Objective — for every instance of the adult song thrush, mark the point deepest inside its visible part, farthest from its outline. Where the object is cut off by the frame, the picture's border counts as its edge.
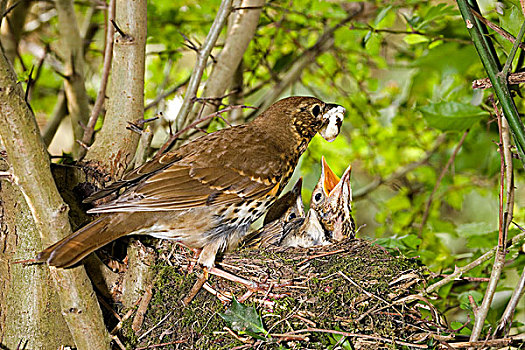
(207, 193)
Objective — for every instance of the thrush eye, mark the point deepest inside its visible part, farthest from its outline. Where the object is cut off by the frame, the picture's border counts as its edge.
(291, 216)
(317, 197)
(316, 110)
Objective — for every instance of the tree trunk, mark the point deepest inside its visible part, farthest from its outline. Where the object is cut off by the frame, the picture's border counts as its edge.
(31, 173)
(30, 307)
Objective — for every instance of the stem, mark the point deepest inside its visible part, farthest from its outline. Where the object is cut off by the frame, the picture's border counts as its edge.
(438, 182)
(512, 53)
(202, 58)
(101, 96)
(513, 243)
(489, 59)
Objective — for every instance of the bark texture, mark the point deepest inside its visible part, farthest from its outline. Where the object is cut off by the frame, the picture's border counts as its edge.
(115, 145)
(30, 310)
(32, 175)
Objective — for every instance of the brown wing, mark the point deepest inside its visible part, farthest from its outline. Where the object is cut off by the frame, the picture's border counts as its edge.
(182, 187)
(212, 170)
(154, 165)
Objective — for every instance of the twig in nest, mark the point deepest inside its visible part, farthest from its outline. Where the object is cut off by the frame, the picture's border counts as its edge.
(124, 318)
(155, 326)
(221, 296)
(320, 256)
(363, 336)
(119, 343)
(141, 310)
(160, 345)
(194, 290)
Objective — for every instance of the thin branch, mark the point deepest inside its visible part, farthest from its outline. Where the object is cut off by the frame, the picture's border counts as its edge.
(101, 96)
(512, 54)
(513, 79)
(324, 43)
(167, 93)
(174, 137)
(202, 58)
(401, 172)
(506, 319)
(492, 65)
(499, 260)
(241, 30)
(498, 29)
(72, 47)
(458, 271)
(58, 114)
(438, 182)
(494, 343)
(362, 336)
(407, 32)
(144, 145)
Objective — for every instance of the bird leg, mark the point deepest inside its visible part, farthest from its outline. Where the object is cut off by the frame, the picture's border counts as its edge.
(251, 285)
(191, 262)
(191, 265)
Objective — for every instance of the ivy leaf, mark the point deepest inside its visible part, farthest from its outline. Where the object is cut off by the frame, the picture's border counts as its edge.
(244, 319)
(452, 115)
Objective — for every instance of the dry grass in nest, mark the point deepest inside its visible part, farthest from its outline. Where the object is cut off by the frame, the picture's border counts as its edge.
(351, 292)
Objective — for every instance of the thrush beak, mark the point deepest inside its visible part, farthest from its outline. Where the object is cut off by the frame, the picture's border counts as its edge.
(298, 207)
(314, 229)
(330, 179)
(342, 189)
(333, 119)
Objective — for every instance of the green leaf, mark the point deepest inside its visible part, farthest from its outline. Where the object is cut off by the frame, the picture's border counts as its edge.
(403, 243)
(413, 39)
(244, 319)
(452, 115)
(464, 300)
(474, 229)
(382, 14)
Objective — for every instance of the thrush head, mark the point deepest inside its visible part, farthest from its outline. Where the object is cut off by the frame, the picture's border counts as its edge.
(331, 199)
(288, 207)
(304, 232)
(286, 224)
(207, 193)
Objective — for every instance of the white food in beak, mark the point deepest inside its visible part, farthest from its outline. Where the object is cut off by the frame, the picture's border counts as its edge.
(334, 119)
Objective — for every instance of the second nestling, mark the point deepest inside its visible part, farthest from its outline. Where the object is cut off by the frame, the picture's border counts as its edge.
(329, 218)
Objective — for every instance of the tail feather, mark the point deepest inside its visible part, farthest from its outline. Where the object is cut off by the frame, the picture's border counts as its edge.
(82, 242)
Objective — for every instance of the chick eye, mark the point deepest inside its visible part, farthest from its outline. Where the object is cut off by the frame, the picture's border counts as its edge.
(291, 216)
(317, 197)
(316, 110)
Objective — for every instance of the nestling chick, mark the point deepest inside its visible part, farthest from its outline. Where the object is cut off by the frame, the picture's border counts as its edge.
(332, 201)
(329, 217)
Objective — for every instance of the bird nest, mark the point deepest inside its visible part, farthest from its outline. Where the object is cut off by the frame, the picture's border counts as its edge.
(353, 293)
